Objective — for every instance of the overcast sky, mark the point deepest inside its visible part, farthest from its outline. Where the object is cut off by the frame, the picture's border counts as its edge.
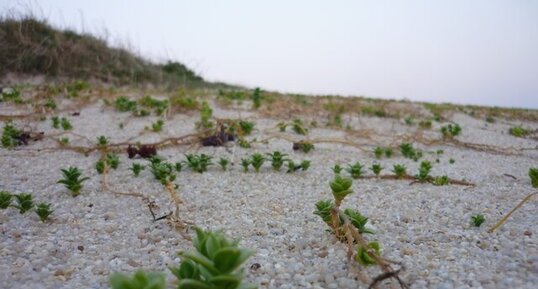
(472, 52)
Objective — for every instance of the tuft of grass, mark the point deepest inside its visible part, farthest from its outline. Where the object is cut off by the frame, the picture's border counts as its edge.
(136, 168)
(303, 146)
(102, 141)
(277, 159)
(477, 220)
(256, 98)
(223, 162)
(162, 171)
(424, 171)
(205, 117)
(72, 180)
(450, 130)
(43, 210)
(305, 164)
(10, 136)
(440, 181)
(337, 169)
(124, 104)
(298, 127)
(66, 124)
(376, 169)
(157, 126)
(408, 151)
(245, 163)
(257, 161)
(198, 163)
(378, 152)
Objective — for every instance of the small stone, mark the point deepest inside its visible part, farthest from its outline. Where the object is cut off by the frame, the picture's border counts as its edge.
(80, 248)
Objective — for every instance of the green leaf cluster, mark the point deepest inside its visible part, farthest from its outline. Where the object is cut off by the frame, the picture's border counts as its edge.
(72, 180)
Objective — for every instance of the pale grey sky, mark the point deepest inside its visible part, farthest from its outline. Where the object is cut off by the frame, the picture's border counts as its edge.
(462, 51)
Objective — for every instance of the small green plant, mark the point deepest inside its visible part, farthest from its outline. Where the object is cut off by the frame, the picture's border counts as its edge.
(303, 146)
(518, 131)
(163, 171)
(378, 152)
(257, 161)
(450, 130)
(110, 161)
(305, 164)
(425, 124)
(451, 160)
(140, 280)
(363, 253)
(441, 181)
(277, 159)
(223, 162)
(157, 126)
(388, 152)
(215, 263)
(337, 169)
(113, 160)
(400, 171)
(298, 127)
(43, 211)
(124, 104)
(178, 166)
(533, 174)
(282, 126)
(256, 98)
(66, 124)
(64, 141)
(136, 168)
(205, 115)
(5, 199)
(245, 163)
(376, 169)
(477, 220)
(246, 127)
(72, 180)
(10, 136)
(198, 163)
(355, 170)
(102, 141)
(24, 202)
(409, 121)
(408, 151)
(292, 167)
(341, 187)
(424, 171)
(55, 122)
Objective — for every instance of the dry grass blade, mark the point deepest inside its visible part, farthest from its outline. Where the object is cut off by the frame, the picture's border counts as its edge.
(503, 219)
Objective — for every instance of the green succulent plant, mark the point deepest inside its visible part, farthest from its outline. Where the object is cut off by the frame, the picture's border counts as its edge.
(298, 127)
(408, 151)
(5, 199)
(245, 163)
(363, 253)
(277, 159)
(441, 181)
(305, 164)
(66, 124)
(10, 136)
(400, 171)
(424, 171)
(376, 169)
(257, 161)
(24, 202)
(358, 221)
(518, 131)
(378, 152)
(215, 263)
(477, 220)
(139, 280)
(163, 172)
(337, 169)
(341, 187)
(223, 162)
(43, 211)
(450, 130)
(355, 170)
(136, 168)
(157, 126)
(102, 141)
(72, 180)
(198, 163)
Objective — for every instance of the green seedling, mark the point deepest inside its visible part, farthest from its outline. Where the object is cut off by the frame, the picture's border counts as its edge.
(388, 153)
(113, 160)
(303, 146)
(378, 152)
(325, 207)
(441, 181)
(400, 171)
(205, 115)
(124, 104)
(282, 126)
(355, 170)
(451, 130)
(256, 98)
(110, 161)
(376, 169)
(245, 163)
(100, 166)
(363, 255)
(424, 171)
(440, 152)
(64, 141)
(341, 187)
(246, 127)
(163, 172)
(55, 122)
(257, 161)
(305, 164)
(337, 169)
(66, 125)
(292, 167)
(425, 124)
(43, 211)
(178, 166)
(215, 263)
(223, 162)
(409, 121)
(72, 180)
(277, 159)
(140, 280)
(198, 163)
(244, 143)
(24, 202)
(477, 220)
(102, 141)
(533, 174)
(518, 131)
(451, 160)
(158, 106)
(10, 136)
(157, 126)
(298, 127)
(5, 199)
(136, 168)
